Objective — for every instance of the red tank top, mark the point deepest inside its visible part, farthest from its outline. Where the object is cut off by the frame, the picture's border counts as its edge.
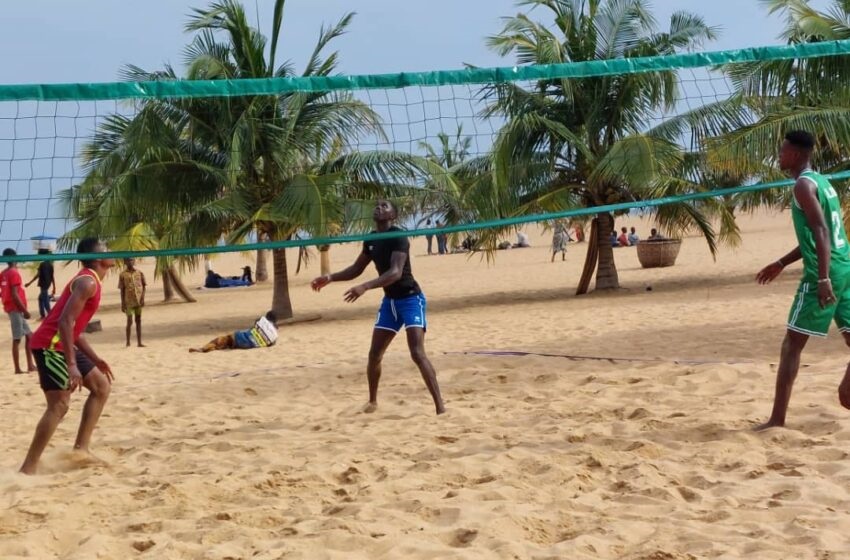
(47, 334)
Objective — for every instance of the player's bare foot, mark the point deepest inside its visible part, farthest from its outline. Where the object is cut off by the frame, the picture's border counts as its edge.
(370, 407)
(27, 470)
(19, 371)
(140, 345)
(769, 424)
(441, 409)
(85, 458)
(128, 345)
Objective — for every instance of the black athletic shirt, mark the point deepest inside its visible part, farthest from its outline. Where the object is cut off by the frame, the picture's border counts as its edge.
(380, 251)
(45, 274)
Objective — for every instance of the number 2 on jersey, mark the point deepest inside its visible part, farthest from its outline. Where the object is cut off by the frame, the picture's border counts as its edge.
(837, 241)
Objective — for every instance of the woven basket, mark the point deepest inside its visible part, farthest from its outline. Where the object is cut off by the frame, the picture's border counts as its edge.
(654, 254)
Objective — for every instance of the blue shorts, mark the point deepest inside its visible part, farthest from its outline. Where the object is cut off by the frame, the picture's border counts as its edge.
(403, 312)
(243, 340)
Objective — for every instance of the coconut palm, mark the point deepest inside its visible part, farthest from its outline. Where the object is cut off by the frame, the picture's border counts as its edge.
(811, 94)
(272, 165)
(142, 180)
(591, 132)
(454, 180)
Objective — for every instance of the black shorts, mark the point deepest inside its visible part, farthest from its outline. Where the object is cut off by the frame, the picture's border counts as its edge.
(53, 371)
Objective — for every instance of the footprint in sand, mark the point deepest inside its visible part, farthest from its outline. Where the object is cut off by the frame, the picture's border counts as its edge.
(463, 537)
(440, 516)
(350, 476)
(145, 527)
(142, 546)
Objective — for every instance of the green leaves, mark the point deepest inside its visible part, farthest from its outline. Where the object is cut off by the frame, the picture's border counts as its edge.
(636, 163)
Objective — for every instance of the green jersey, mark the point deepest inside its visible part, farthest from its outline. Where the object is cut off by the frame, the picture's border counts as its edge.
(839, 247)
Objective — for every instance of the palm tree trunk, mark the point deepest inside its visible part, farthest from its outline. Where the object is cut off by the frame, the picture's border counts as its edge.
(325, 259)
(171, 279)
(261, 271)
(590, 260)
(281, 304)
(606, 272)
(167, 289)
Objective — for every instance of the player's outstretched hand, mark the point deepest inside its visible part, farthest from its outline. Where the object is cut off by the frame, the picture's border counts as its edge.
(353, 293)
(318, 283)
(769, 273)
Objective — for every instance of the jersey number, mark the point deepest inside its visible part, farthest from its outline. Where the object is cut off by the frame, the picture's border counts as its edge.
(837, 241)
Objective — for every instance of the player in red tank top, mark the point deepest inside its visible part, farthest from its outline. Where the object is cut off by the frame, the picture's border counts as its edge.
(65, 360)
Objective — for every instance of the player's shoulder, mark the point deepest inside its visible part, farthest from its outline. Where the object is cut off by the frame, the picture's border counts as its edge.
(84, 282)
(398, 228)
(805, 184)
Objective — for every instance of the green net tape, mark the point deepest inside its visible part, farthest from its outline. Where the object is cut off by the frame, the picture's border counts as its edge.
(271, 86)
(359, 238)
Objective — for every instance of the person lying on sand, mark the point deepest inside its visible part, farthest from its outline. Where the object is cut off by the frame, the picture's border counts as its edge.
(261, 335)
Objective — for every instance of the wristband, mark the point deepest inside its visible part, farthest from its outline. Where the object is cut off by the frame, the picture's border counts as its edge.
(780, 263)
(824, 281)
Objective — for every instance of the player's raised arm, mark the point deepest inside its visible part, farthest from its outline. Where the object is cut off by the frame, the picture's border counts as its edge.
(350, 273)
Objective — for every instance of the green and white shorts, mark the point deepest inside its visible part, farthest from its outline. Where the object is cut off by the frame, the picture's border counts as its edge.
(807, 316)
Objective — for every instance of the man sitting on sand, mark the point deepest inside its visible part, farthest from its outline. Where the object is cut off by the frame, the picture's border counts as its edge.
(623, 240)
(634, 238)
(261, 335)
(654, 235)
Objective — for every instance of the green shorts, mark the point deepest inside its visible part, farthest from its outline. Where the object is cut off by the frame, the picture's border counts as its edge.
(131, 311)
(807, 316)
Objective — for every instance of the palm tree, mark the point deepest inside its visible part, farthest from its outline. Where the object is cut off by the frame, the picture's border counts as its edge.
(272, 165)
(811, 94)
(584, 142)
(454, 180)
(142, 179)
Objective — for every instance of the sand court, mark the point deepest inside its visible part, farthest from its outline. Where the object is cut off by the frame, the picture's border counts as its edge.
(265, 453)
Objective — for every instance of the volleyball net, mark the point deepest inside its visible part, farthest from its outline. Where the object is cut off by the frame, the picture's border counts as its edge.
(162, 166)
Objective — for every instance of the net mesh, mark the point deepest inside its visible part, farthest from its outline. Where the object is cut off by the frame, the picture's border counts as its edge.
(180, 167)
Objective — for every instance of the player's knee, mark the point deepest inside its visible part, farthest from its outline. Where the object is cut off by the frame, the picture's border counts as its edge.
(100, 386)
(58, 408)
(375, 355)
(794, 343)
(418, 355)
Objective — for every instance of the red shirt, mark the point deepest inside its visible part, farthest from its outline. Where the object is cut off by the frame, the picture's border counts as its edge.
(47, 334)
(10, 279)
(623, 240)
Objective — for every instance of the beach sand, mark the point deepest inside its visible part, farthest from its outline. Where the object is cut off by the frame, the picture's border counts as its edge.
(264, 454)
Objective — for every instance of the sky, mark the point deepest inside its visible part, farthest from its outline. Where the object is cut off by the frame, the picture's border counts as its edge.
(50, 41)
